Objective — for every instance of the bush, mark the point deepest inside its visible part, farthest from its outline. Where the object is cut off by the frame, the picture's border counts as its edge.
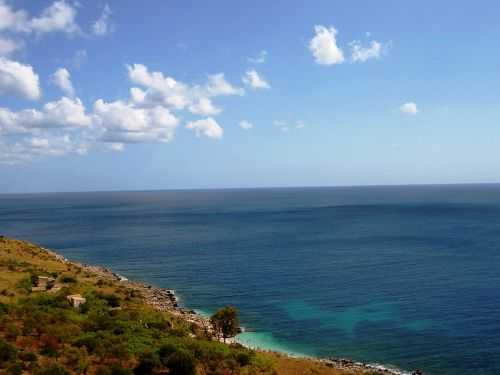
(25, 284)
(118, 370)
(111, 299)
(15, 368)
(165, 351)
(27, 356)
(68, 279)
(182, 362)
(4, 309)
(244, 358)
(53, 369)
(147, 363)
(7, 352)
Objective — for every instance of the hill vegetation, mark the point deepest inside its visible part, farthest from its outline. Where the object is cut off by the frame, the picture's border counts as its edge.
(114, 331)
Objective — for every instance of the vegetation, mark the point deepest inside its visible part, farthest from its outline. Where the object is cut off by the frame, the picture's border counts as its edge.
(225, 322)
(114, 332)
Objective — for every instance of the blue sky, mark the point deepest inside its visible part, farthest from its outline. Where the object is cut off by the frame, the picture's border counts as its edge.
(181, 94)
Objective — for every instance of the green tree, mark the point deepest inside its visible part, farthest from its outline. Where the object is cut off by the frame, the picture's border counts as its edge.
(226, 322)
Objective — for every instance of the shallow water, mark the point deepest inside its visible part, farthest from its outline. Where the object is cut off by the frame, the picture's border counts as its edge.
(406, 276)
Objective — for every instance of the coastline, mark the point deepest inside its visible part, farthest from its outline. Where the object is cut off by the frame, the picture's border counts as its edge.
(166, 300)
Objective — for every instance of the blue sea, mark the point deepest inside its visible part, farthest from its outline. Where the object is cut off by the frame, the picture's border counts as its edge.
(407, 276)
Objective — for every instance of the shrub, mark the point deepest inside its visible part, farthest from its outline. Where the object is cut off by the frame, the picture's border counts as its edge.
(53, 369)
(182, 362)
(7, 352)
(147, 363)
(25, 284)
(4, 309)
(15, 368)
(27, 356)
(68, 279)
(244, 358)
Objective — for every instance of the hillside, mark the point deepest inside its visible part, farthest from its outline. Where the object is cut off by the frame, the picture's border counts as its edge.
(116, 327)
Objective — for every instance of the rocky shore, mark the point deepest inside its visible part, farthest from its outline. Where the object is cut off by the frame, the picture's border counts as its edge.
(166, 300)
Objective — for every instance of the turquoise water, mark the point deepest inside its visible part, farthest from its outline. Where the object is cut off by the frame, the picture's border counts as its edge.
(406, 276)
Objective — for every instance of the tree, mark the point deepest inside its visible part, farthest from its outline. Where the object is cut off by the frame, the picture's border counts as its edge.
(225, 322)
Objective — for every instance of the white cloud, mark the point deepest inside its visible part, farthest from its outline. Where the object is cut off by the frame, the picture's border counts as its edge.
(43, 145)
(217, 86)
(409, 108)
(166, 91)
(324, 46)
(259, 59)
(12, 20)
(207, 127)
(300, 125)
(246, 125)
(9, 46)
(122, 122)
(254, 80)
(63, 113)
(62, 79)
(60, 16)
(18, 79)
(362, 54)
(204, 107)
(161, 89)
(102, 26)
(115, 146)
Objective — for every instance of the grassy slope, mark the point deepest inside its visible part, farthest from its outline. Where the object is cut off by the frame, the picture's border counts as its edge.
(19, 260)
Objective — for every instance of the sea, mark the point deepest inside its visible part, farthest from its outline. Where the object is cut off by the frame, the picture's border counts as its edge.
(405, 276)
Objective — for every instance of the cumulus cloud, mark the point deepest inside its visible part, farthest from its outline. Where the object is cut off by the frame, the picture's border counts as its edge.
(159, 89)
(204, 107)
(259, 59)
(122, 122)
(409, 108)
(246, 125)
(12, 20)
(217, 86)
(18, 79)
(207, 127)
(65, 126)
(60, 16)
(300, 125)
(9, 46)
(255, 81)
(62, 79)
(36, 147)
(63, 113)
(360, 53)
(324, 46)
(103, 26)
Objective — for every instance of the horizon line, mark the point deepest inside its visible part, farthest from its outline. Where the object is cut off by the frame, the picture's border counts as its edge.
(255, 188)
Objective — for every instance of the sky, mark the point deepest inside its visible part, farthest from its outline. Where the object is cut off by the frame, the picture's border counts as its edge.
(98, 95)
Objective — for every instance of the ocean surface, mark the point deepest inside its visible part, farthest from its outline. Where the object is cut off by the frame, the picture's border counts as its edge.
(407, 276)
